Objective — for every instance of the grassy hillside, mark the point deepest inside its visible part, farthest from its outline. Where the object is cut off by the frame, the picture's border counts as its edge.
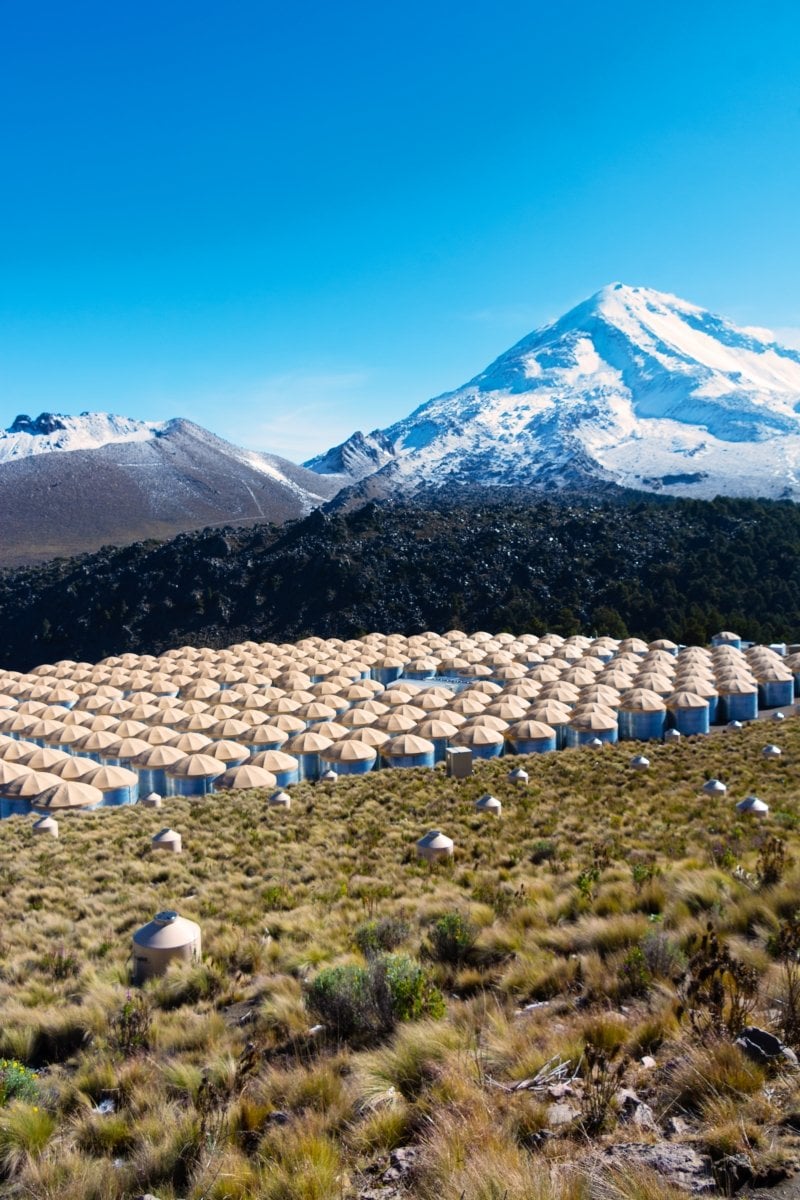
(493, 560)
(587, 899)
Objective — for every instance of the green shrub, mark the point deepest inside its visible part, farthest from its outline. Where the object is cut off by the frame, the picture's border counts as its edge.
(451, 938)
(634, 975)
(377, 937)
(543, 851)
(17, 1082)
(129, 1028)
(355, 1001)
(663, 957)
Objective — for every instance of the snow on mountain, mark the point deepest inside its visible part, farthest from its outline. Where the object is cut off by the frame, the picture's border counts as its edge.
(51, 432)
(70, 484)
(632, 386)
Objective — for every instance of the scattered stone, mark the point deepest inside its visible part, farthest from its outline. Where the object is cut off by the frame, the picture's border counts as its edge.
(557, 1091)
(677, 1127)
(732, 1172)
(561, 1114)
(679, 1165)
(401, 1164)
(278, 1117)
(763, 1047)
(649, 1063)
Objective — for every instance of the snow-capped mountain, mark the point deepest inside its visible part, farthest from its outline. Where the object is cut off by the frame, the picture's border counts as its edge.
(69, 484)
(633, 386)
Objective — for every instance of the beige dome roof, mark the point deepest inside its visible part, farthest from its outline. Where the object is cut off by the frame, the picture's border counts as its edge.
(247, 775)
(70, 794)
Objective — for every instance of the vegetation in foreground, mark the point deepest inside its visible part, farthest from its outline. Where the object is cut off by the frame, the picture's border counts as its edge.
(478, 559)
(571, 983)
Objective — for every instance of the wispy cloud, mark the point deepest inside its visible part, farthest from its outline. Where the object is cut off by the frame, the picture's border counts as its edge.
(300, 413)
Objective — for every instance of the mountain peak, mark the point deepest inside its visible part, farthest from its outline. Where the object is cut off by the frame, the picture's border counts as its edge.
(632, 386)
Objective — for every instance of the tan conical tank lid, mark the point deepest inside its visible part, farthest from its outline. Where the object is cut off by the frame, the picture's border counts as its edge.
(593, 721)
(74, 767)
(349, 751)
(190, 742)
(155, 757)
(247, 775)
(407, 744)
(640, 699)
(529, 730)
(12, 770)
(42, 758)
(370, 736)
(275, 761)
(197, 766)
(686, 699)
(308, 742)
(106, 778)
(435, 727)
(167, 931)
(32, 784)
(479, 735)
(68, 794)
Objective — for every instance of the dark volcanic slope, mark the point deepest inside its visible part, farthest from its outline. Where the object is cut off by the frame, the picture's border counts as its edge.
(680, 569)
(59, 504)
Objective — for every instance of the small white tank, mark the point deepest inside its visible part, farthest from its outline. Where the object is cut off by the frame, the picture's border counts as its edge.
(280, 799)
(594, 744)
(435, 846)
(751, 806)
(714, 787)
(46, 825)
(672, 735)
(778, 716)
(169, 840)
(488, 805)
(152, 801)
(166, 939)
(771, 751)
(328, 777)
(518, 776)
(639, 762)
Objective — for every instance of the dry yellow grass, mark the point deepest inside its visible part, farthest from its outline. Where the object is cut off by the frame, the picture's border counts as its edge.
(558, 911)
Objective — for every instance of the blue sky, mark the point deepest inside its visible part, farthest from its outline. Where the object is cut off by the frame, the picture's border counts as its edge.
(289, 222)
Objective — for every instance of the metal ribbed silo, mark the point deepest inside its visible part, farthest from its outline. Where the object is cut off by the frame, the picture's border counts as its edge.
(587, 727)
(689, 713)
(531, 737)
(642, 715)
(408, 750)
(349, 757)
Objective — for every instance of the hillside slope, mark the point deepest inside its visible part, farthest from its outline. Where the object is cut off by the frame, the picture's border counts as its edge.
(478, 560)
(69, 485)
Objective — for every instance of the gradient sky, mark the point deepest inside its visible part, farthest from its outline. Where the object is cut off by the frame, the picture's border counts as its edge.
(289, 222)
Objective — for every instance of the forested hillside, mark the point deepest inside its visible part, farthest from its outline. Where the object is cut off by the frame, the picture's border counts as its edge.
(492, 559)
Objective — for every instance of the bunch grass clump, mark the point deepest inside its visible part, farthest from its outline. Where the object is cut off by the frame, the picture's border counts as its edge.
(609, 918)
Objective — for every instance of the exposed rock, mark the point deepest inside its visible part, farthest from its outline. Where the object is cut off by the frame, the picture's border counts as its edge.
(649, 1063)
(561, 1114)
(763, 1047)
(401, 1164)
(278, 1117)
(679, 1165)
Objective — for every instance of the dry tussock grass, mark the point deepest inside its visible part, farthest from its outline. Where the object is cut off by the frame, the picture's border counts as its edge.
(558, 907)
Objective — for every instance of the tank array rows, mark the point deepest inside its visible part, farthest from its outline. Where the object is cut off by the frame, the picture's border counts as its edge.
(196, 720)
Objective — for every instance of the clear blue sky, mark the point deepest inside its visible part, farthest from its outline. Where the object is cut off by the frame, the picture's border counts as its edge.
(291, 221)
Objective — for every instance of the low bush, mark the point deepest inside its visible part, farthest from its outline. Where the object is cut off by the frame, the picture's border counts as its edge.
(451, 938)
(17, 1082)
(381, 936)
(355, 1001)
